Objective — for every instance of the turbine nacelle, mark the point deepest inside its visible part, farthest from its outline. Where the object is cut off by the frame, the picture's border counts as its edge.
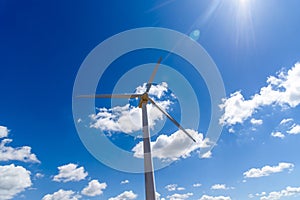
(144, 98)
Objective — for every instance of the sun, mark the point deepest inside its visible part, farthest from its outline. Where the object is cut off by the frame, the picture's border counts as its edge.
(244, 3)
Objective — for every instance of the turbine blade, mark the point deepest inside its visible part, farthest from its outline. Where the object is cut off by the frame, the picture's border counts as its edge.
(153, 74)
(171, 118)
(119, 96)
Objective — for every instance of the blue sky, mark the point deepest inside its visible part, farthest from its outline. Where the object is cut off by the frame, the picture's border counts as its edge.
(255, 45)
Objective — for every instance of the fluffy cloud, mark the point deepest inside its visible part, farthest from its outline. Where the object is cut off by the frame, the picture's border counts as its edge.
(128, 119)
(268, 170)
(125, 182)
(62, 195)
(278, 134)
(220, 187)
(286, 126)
(38, 175)
(20, 153)
(173, 147)
(173, 187)
(3, 131)
(206, 197)
(282, 90)
(284, 121)
(94, 188)
(197, 185)
(257, 195)
(156, 90)
(13, 180)
(70, 172)
(256, 121)
(295, 129)
(127, 195)
(287, 192)
(180, 196)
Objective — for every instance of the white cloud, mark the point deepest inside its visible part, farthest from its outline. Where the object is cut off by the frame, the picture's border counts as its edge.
(62, 195)
(207, 154)
(197, 185)
(180, 196)
(231, 130)
(287, 192)
(13, 180)
(295, 129)
(128, 119)
(127, 195)
(257, 195)
(171, 187)
(70, 172)
(19, 153)
(206, 197)
(277, 134)
(284, 121)
(125, 182)
(220, 187)
(256, 121)
(268, 170)
(173, 147)
(3, 131)
(94, 188)
(39, 175)
(283, 90)
(158, 196)
(156, 90)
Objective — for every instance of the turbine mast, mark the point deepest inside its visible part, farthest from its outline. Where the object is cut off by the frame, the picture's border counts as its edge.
(148, 165)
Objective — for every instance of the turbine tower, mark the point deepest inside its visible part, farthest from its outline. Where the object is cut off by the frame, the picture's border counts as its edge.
(144, 99)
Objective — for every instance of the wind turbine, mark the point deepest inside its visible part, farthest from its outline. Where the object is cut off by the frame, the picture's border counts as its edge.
(144, 99)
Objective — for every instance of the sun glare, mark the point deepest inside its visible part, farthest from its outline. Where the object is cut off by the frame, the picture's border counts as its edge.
(243, 1)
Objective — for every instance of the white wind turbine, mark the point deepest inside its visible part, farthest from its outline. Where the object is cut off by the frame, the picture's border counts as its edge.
(144, 98)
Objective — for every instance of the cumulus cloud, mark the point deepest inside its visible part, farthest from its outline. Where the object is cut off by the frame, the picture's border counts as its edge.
(257, 195)
(158, 196)
(128, 118)
(282, 90)
(127, 195)
(173, 147)
(13, 180)
(180, 196)
(268, 170)
(220, 187)
(206, 197)
(94, 188)
(278, 134)
(197, 185)
(173, 187)
(38, 175)
(287, 192)
(295, 129)
(284, 121)
(70, 172)
(256, 121)
(125, 182)
(19, 153)
(207, 154)
(3, 131)
(156, 90)
(62, 195)
(286, 127)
